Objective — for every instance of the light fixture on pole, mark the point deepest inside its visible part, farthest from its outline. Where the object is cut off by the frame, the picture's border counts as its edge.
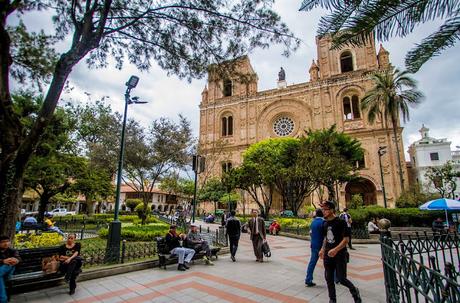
(381, 152)
(198, 167)
(114, 236)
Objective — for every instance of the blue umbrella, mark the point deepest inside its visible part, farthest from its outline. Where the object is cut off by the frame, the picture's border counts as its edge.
(441, 204)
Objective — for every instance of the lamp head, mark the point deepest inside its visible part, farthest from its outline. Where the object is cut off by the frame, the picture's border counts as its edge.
(382, 150)
(132, 82)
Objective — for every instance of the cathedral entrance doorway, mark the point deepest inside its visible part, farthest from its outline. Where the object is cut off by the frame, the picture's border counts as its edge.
(363, 187)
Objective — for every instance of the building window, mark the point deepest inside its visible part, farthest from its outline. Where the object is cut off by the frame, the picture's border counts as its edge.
(226, 167)
(227, 87)
(361, 163)
(434, 156)
(227, 126)
(346, 62)
(283, 127)
(351, 108)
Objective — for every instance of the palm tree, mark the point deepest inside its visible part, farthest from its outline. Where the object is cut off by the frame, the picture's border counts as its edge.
(393, 93)
(354, 22)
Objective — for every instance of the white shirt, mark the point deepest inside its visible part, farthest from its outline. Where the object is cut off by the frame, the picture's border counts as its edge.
(371, 226)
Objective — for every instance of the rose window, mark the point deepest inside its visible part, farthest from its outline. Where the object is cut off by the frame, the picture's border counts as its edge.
(284, 126)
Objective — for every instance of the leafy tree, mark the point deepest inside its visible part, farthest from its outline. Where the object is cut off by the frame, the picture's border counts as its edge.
(443, 178)
(152, 155)
(390, 99)
(182, 38)
(331, 157)
(213, 191)
(95, 184)
(356, 202)
(97, 130)
(173, 184)
(132, 203)
(414, 197)
(230, 199)
(354, 22)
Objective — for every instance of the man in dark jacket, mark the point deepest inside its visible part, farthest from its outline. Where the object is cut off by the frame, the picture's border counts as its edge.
(233, 230)
(174, 243)
(9, 258)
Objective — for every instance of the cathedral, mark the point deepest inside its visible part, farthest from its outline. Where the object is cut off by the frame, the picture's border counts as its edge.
(234, 115)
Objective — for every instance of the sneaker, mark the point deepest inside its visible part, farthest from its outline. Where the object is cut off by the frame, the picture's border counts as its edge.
(72, 291)
(209, 262)
(332, 301)
(205, 259)
(181, 267)
(186, 266)
(233, 258)
(310, 284)
(357, 296)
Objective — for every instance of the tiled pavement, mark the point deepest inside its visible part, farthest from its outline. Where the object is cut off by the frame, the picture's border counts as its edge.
(281, 279)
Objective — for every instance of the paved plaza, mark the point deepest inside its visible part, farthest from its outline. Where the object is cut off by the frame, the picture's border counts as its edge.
(281, 279)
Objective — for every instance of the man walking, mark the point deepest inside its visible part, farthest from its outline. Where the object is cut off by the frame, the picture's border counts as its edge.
(334, 252)
(233, 231)
(316, 240)
(9, 258)
(257, 234)
(345, 216)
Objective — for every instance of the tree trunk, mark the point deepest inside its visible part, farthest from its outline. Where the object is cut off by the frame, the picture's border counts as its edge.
(11, 190)
(89, 206)
(398, 158)
(330, 192)
(44, 200)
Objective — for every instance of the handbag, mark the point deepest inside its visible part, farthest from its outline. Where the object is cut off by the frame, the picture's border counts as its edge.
(50, 265)
(266, 249)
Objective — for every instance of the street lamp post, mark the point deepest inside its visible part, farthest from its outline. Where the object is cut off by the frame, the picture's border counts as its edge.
(114, 236)
(198, 167)
(381, 152)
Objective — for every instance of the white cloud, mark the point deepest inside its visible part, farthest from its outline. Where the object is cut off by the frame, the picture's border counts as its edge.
(168, 96)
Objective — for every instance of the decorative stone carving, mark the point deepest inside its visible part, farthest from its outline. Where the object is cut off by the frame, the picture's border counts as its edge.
(351, 125)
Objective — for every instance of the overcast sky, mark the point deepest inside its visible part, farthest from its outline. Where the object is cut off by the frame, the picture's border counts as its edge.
(168, 96)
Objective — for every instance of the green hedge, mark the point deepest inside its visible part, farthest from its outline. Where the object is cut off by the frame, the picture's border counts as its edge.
(398, 216)
(97, 218)
(140, 233)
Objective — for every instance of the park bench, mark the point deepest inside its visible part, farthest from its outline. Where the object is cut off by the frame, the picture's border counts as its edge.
(165, 257)
(267, 224)
(29, 273)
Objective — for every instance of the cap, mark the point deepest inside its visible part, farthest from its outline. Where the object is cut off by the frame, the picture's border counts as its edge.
(172, 226)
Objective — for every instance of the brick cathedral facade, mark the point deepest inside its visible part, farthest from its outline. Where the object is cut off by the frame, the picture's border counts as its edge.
(234, 115)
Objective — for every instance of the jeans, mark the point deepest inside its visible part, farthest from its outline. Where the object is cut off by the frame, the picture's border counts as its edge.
(183, 254)
(5, 272)
(233, 242)
(337, 266)
(311, 265)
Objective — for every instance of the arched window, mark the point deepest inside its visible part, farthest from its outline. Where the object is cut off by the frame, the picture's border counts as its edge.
(226, 167)
(227, 88)
(351, 108)
(227, 126)
(346, 62)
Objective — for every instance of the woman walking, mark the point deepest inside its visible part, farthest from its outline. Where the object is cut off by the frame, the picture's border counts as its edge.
(71, 261)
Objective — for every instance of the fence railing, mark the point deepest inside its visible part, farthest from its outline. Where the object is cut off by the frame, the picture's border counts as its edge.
(422, 268)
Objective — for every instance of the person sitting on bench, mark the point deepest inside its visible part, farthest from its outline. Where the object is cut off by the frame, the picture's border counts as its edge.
(70, 261)
(274, 228)
(174, 243)
(50, 225)
(9, 258)
(195, 241)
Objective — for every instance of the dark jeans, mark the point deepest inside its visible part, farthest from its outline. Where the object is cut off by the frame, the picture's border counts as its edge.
(349, 242)
(203, 246)
(312, 264)
(71, 271)
(233, 242)
(337, 265)
(5, 272)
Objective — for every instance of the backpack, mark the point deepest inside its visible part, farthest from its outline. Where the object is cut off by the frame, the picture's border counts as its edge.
(162, 246)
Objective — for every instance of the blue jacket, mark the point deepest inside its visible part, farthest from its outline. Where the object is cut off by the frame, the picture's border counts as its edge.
(317, 233)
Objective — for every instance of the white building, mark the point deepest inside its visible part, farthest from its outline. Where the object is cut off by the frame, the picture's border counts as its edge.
(428, 152)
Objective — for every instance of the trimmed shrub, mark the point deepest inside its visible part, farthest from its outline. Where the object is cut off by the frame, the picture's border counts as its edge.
(133, 203)
(356, 202)
(398, 216)
(140, 233)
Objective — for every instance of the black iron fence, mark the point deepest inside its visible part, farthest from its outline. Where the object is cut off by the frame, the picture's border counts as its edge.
(421, 268)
